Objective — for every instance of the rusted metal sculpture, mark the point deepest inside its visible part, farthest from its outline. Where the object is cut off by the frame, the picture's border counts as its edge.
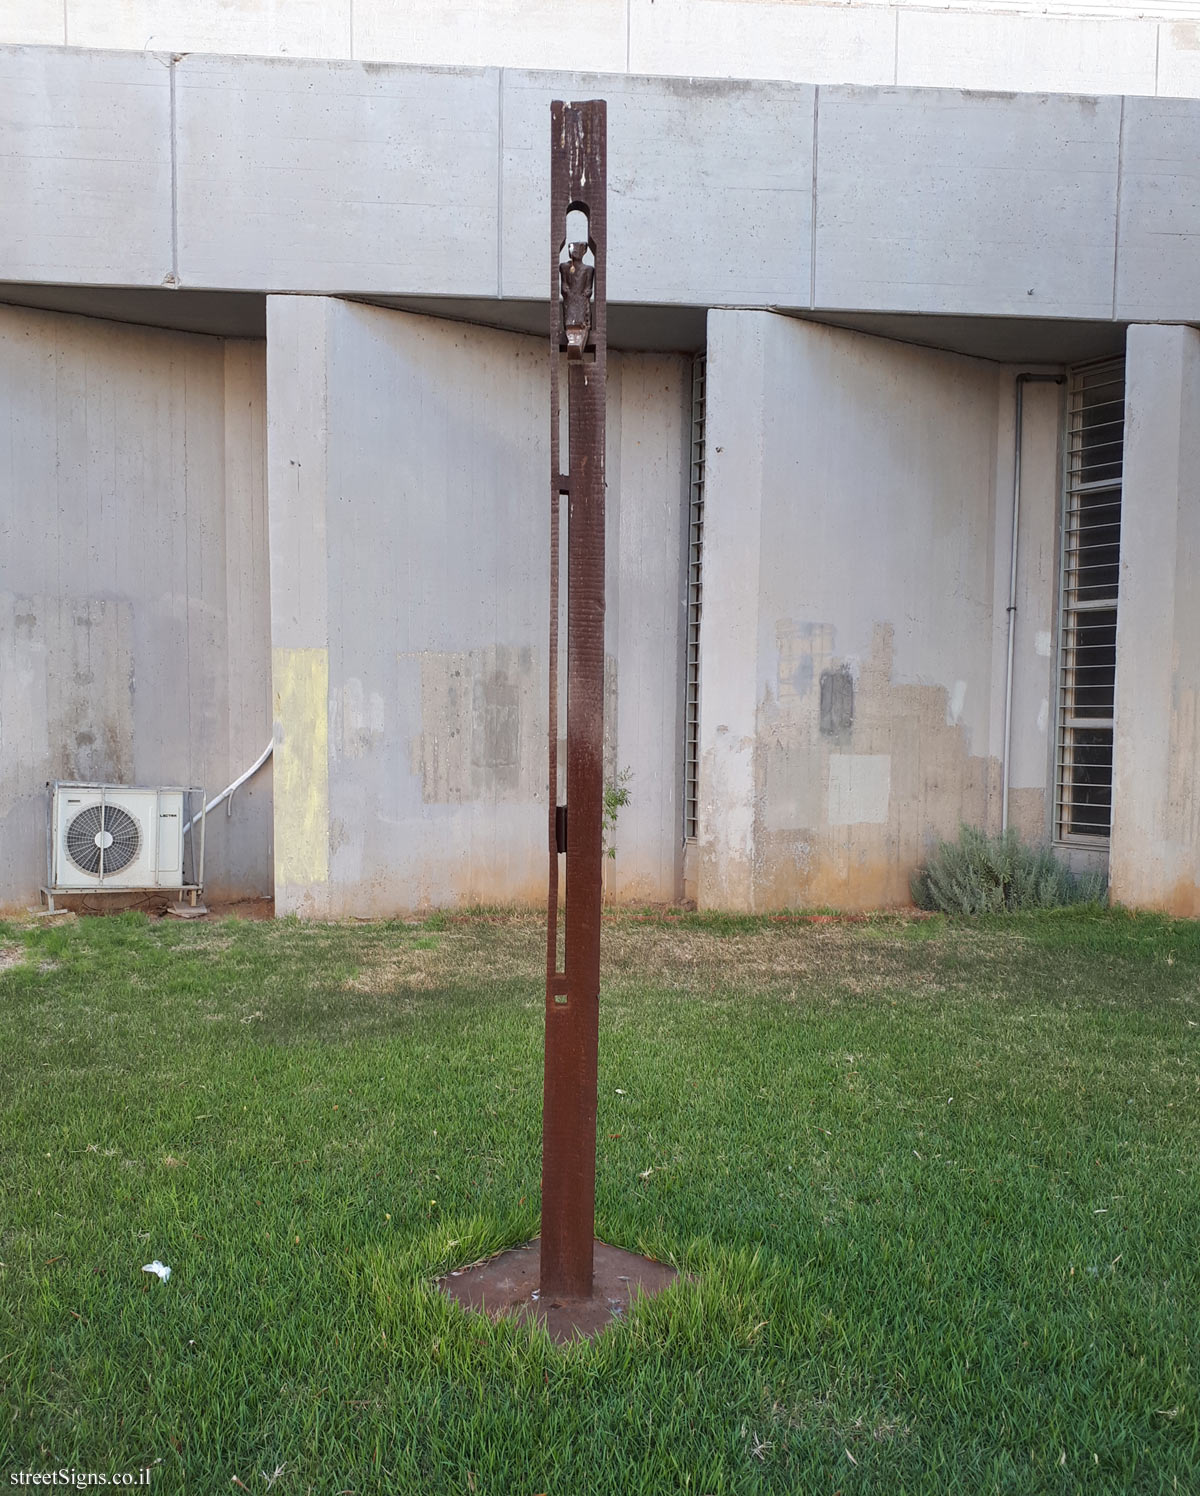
(578, 163)
(581, 1284)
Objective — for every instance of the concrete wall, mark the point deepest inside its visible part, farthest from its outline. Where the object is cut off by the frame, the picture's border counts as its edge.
(409, 534)
(235, 173)
(857, 544)
(1109, 46)
(1030, 770)
(133, 579)
(85, 167)
(1155, 852)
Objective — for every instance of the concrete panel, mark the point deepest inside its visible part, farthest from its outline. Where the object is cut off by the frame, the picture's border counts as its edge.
(938, 201)
(301, 28)
(423, 532)
(1034, 53)
(1155, 852)
(318, 176)
(41, 22)
(744, 39)
(735, 491)
(1179, 59)
(1037, 593)
(297, 453)
(241, 837)
(710, 187)
(494, 33)
(1158, 267)
(849, 627)
(650, 402)
(300, 697)
(438, 631)
(118, 609)
(85, 167)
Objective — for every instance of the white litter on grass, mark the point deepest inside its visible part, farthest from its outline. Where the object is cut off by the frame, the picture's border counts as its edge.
(157, 1268)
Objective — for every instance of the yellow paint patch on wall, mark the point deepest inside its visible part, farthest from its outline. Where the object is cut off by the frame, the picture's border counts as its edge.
(300, 678)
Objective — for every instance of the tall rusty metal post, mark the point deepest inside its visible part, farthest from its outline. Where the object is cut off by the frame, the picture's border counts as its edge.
(578, 162)
(582, 1284)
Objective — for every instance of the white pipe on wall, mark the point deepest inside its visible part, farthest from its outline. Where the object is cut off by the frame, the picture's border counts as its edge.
(237, 783)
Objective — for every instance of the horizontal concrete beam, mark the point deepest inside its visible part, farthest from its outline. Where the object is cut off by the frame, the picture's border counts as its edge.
(277, 175)
(325, 176)
(937, 199)
(710, 187)
(85, 167)
(1143, 47)
(1158, 267)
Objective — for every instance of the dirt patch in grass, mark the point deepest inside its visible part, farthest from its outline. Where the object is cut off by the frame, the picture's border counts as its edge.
(254, 909)
(408, 969)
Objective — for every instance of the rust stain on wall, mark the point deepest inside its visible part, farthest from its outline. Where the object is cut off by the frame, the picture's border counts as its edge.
(1182, 899)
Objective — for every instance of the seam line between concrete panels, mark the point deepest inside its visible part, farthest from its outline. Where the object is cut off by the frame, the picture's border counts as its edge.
(812, 247)
(174, 180)
(1117, 214)
(500, 183)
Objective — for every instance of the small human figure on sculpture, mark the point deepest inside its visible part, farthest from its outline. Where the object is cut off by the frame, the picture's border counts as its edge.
(576, 280)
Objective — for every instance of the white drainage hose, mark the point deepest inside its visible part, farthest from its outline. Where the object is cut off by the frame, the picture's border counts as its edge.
(237, 783)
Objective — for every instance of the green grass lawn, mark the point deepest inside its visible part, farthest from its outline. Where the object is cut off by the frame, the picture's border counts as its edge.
(935, 1186)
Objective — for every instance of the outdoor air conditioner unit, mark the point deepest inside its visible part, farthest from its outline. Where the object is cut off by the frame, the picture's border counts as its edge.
(118, 837)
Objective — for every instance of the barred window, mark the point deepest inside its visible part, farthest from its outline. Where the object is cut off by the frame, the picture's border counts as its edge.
(1091, 552)
(691, 747)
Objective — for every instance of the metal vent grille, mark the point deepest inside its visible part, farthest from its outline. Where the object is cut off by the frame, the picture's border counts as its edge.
(691, 754)
(103, 839)
(1091, 554)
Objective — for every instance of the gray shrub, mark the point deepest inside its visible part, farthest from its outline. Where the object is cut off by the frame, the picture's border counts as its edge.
(982, 874)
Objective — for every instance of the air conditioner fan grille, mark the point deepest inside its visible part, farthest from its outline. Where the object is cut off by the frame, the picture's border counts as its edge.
(103, 834)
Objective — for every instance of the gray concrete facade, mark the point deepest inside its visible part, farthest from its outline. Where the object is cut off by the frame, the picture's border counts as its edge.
(1156, 789)
(134, 589)
(858, 524)
(336, 533)
(409, 548)
(290, 175)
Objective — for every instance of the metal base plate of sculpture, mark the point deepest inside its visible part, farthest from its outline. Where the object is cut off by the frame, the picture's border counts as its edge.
(510, 1285)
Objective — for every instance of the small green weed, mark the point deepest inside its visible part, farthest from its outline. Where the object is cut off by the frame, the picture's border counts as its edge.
(616, 798)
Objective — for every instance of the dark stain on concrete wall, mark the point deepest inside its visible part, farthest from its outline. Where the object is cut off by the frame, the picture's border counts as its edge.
(837, 701)
(482, 726)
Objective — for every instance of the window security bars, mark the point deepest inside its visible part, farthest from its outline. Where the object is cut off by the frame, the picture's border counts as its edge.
(691, 754)
(1091, 552)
